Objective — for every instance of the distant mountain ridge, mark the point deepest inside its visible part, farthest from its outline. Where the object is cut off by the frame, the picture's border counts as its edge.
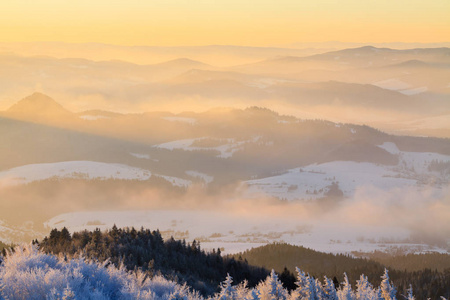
(39, 107)
(37, 103)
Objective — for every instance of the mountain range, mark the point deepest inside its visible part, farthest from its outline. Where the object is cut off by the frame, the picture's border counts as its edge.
(393, 90)
(58, 164)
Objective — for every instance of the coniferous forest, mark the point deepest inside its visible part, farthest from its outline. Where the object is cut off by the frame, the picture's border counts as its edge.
(146, 250)
(138, 264)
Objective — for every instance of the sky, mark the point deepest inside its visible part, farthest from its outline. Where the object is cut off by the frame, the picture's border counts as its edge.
(234, 22)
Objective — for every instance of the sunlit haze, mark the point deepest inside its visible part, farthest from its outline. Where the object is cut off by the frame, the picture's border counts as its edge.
(211, 141)
(205, 22)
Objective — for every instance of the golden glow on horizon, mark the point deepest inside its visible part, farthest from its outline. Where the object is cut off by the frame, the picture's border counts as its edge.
(202, 22)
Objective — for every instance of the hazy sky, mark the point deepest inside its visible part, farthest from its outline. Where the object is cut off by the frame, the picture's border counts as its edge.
(239, 22)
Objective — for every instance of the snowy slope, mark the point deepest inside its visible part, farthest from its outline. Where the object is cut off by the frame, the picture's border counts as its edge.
(81, 170)
(313, 181)
(395, 84)
(227, 149)
(205, 177)
(190, 121)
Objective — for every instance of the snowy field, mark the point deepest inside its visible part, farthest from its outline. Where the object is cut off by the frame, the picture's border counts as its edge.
(395, 84)
(234, 233)
(202, 176)
(227, 148)
(81, 170)
(190, 121)
(313, 181)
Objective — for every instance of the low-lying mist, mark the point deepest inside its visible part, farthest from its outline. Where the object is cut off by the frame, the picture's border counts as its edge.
(424, 216)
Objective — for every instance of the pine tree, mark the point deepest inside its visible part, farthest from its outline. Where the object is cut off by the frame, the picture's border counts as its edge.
(329, 290)
(410, 295)
(364, 290)
(345, 292)
(306, 287)
(227, 291)
(319, 292)
(242, 291)
(388, 291)
(272, 289)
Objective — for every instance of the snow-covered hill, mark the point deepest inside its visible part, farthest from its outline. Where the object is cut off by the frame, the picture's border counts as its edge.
(414, 170)
(81, 170)
(225, 147)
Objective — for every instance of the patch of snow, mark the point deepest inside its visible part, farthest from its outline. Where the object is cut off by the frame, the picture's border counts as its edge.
(414, 91)
(179, 144)
(226, 150)
(87, 170)
(392, 84)
(416, 164)
(71, 169)
(138, 155)
(205, 177)
(93, 117)
(311, 182)
(390, 147)
(263, 83)
(175, 181)
(352, 130)
(191, 121)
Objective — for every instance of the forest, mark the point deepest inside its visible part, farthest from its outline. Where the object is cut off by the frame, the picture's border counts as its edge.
(428, 274)
(193, 273)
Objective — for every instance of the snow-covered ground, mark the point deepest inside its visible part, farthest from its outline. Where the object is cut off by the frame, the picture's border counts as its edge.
(234, 233)
(227, 148)
(313, 181)
(93, 117)
(414, 91)
(191, 121)
(176, 181)
(81, 170)
(263, 83)
(395, 84)
(139, 155)
(205, 177)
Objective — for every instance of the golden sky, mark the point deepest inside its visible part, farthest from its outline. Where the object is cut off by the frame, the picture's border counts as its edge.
(238, 22)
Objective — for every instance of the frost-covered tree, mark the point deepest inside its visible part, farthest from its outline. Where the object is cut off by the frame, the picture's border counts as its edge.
(306, 288)
(388, 291)
(254, 294)
(409, 293)
(365, 290)
(244, 293)
(227, 291)
(319, 292)
(272, 288)
(346, 292)
(329, 290)
(30, 274)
